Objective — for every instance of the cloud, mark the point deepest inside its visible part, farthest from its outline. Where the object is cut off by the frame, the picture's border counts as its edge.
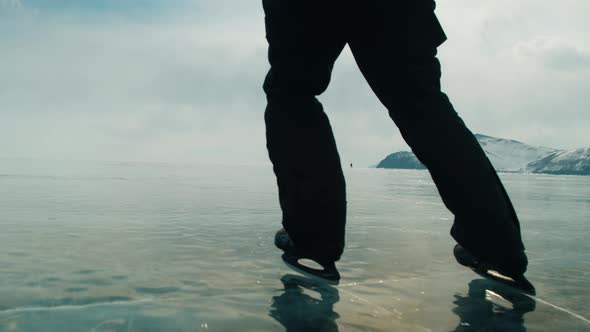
(181, 81)
(554, 52)
(109, 88)
(10, 3)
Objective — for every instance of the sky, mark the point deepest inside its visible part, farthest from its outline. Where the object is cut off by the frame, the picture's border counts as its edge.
(180, 80)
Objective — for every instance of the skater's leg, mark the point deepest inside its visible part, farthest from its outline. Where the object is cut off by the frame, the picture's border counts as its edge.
(304, 43)
(397, 55)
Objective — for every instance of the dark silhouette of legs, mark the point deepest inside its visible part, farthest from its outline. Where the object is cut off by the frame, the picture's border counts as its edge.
(399, 62)
(303, 46)
(395, 45)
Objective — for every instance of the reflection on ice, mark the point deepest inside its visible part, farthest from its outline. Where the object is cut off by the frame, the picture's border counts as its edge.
(484, 308)
(299, 311)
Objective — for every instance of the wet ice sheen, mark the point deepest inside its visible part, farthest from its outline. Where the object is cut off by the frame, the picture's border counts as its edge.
(155, 247)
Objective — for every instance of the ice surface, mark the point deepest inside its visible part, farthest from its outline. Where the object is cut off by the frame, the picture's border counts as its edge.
(155, 247)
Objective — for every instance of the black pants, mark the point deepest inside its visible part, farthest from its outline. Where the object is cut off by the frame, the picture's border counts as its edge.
(395, 45)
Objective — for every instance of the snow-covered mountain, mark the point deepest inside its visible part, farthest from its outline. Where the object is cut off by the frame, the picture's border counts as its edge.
(511, 156)
(401, 160)
(575, 162)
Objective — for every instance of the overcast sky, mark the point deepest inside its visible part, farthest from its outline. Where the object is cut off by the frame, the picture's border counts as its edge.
(180, 80)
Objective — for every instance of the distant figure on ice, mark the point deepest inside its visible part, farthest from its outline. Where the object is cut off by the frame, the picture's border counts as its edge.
(395, 46)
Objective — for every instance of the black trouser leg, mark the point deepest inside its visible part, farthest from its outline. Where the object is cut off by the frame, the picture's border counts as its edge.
(399, 62)
(303, 46)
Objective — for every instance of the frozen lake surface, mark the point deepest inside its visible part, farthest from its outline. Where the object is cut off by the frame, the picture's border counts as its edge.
(156, 247)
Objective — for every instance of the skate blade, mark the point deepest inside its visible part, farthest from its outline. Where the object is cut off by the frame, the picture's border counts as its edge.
(323, 276)
(521, 283)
